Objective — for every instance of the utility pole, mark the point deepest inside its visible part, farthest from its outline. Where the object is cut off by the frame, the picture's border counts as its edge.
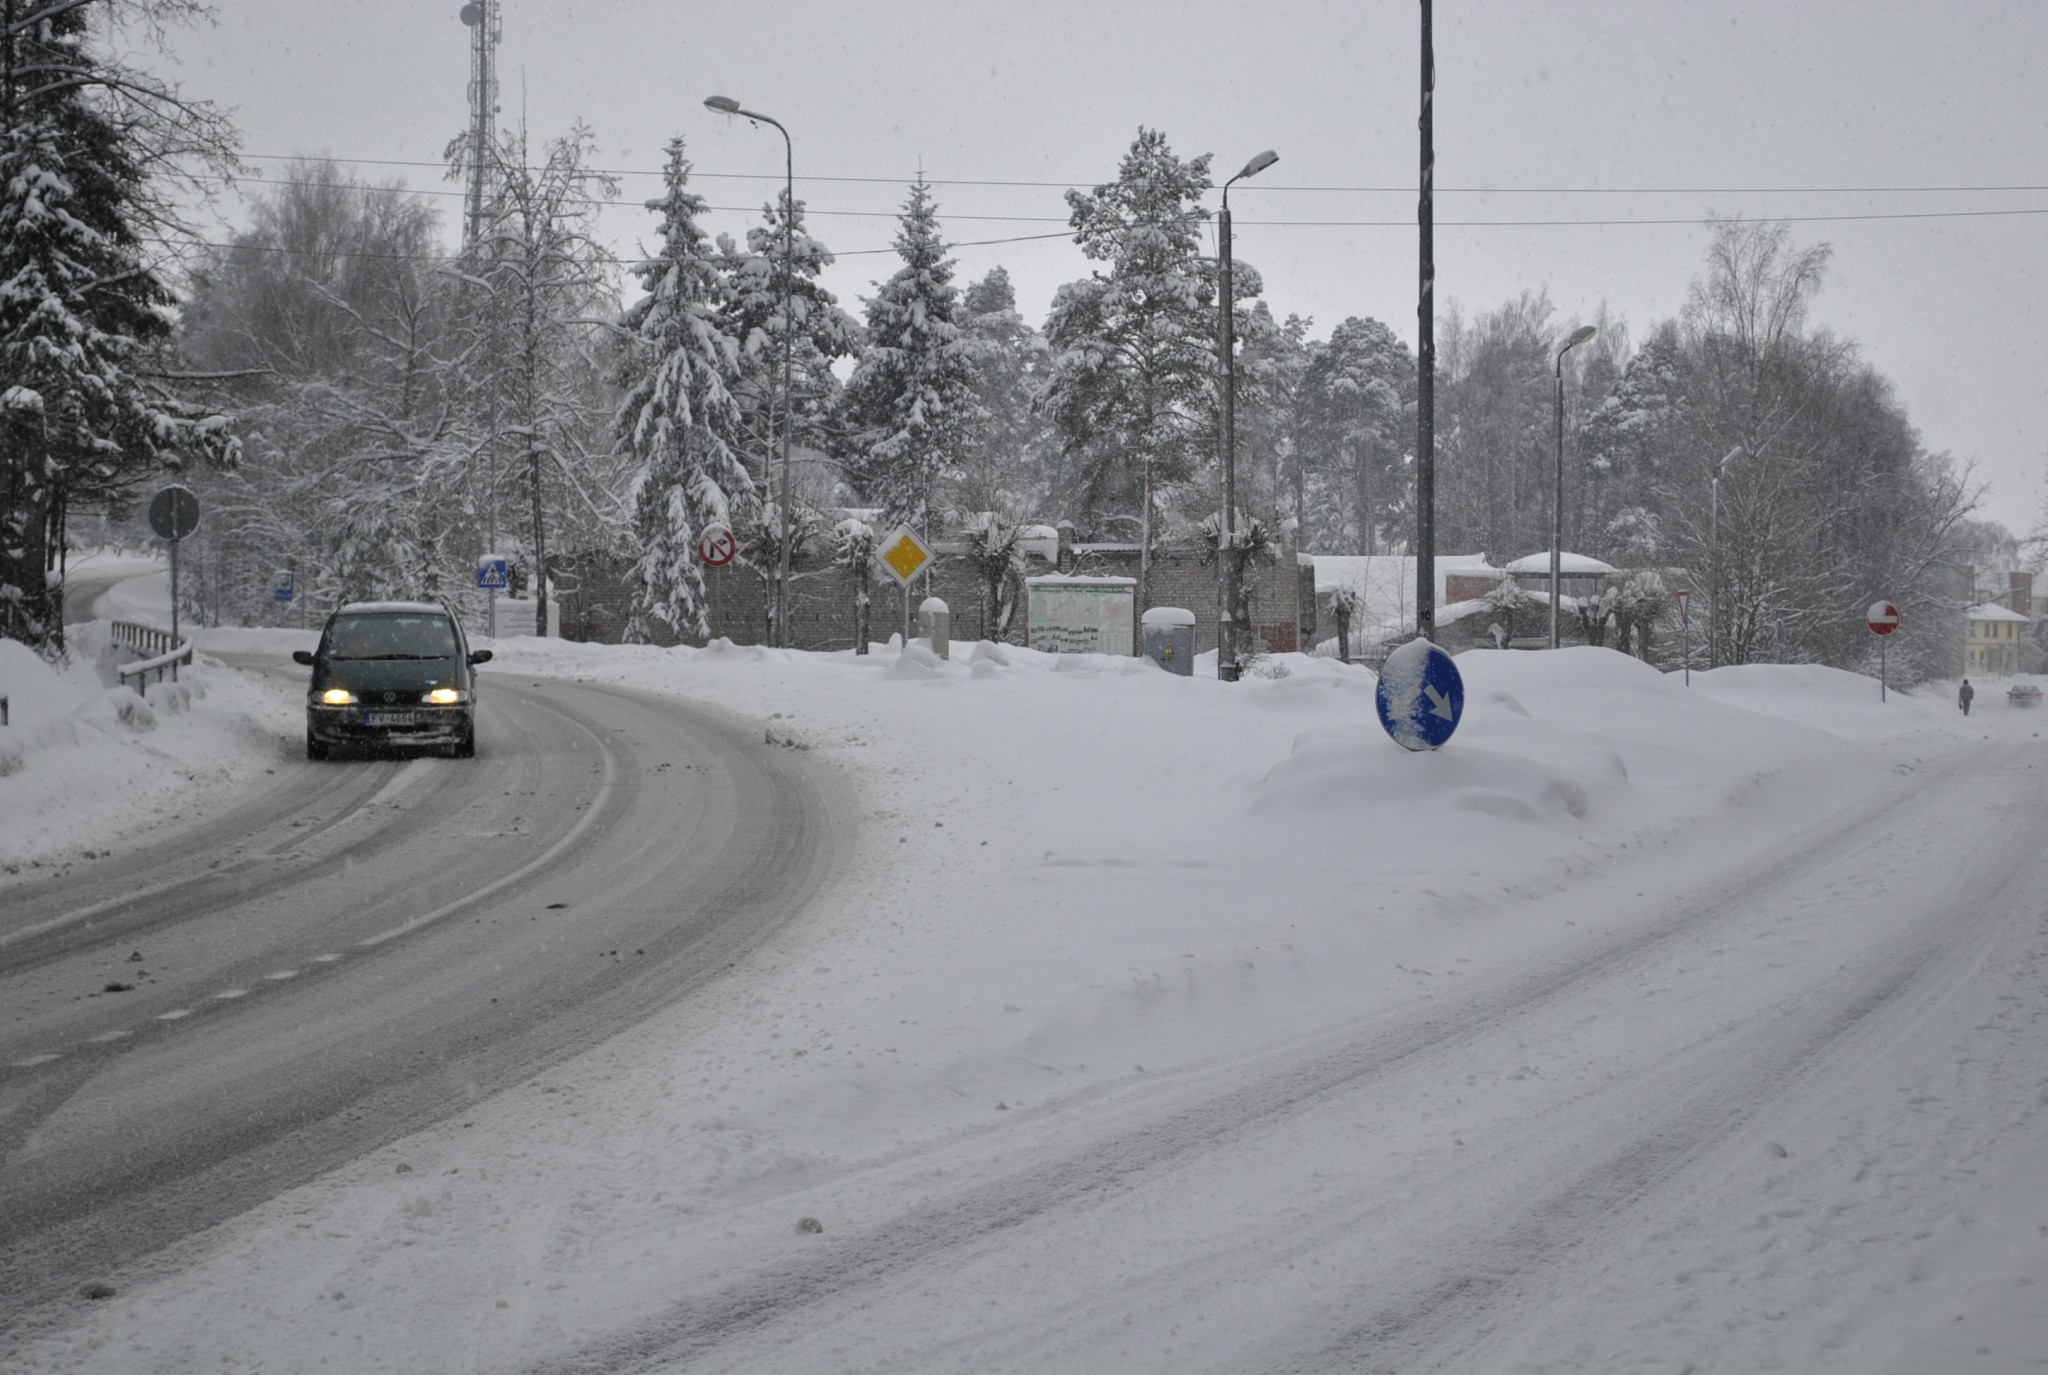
(485, 29)
(1425, 355)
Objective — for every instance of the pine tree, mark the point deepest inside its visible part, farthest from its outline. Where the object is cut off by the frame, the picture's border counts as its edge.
(83, 413)
(1132, 388)
(1003, 466)
(678, 417)
(781, 259)
(909, 406)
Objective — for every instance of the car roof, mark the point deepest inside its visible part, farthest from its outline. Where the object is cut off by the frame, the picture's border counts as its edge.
(392, 608)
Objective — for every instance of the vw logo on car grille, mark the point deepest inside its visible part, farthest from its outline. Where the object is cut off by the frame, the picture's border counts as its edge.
(390, 697)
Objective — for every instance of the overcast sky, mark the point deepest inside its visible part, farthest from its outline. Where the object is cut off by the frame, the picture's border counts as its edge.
(1579, 145)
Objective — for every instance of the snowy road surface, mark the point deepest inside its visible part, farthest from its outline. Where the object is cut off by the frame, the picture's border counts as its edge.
(1692, 1127)
(364, 948)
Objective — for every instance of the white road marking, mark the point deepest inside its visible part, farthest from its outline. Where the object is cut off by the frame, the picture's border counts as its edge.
(33, 1061)
(106, 1036)
(233, 993)
(174, 1015)
(283, 974)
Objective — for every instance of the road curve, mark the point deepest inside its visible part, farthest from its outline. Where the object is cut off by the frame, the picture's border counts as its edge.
(367, 947)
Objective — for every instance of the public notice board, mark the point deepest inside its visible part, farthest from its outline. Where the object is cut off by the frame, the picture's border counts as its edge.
(1069, 614)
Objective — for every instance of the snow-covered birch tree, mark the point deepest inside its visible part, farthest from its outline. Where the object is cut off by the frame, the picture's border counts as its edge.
(549, 285)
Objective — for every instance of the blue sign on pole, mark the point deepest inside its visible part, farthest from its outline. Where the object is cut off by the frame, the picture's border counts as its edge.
(284, 587)
(1421, 696)
(493, 572)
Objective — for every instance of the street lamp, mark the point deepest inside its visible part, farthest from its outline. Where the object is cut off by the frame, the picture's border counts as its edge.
(1572, 341)
(726, 105)
(1714, 555)
(1226, 529)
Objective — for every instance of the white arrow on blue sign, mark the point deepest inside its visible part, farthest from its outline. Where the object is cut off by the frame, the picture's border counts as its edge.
(1421, 696)
(494, 571)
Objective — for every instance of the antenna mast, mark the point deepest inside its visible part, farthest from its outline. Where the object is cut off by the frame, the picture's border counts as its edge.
(481, 16)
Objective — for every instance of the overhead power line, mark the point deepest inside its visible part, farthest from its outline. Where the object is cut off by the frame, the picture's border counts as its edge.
(1404, 190)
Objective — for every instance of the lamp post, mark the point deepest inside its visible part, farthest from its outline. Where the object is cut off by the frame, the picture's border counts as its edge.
(1714, 556)
(726, 105)
(1576, 338)
(1226, 528)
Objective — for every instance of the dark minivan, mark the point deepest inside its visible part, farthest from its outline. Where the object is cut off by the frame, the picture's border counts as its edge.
(392, 674)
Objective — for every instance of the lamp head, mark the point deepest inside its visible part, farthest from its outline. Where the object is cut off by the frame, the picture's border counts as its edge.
(724, 104)
(1258, 164)
(1580, 336)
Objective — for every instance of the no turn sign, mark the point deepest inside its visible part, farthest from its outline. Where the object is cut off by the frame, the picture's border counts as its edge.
(716, 546)
(1884, 618)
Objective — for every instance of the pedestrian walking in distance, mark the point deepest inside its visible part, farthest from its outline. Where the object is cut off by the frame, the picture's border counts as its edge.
(1963, 697)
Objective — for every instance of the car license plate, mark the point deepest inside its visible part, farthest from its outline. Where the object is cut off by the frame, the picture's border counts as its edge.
(391, 718)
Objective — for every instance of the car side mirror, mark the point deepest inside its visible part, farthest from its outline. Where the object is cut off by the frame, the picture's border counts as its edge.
(303, 656)
(479, 656)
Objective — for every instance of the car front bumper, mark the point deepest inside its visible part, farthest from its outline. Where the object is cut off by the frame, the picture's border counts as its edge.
(389, 726)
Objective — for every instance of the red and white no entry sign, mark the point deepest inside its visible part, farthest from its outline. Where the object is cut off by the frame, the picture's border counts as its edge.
(1884, 617)
(716, 546)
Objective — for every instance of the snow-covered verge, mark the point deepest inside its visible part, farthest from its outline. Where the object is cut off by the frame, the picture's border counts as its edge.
(1078, 883)
(87, 764)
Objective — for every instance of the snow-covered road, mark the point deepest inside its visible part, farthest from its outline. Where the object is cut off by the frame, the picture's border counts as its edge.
(1159, 1025)
(1725, 1134)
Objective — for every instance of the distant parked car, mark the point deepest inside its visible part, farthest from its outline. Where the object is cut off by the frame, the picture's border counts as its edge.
(2023, 695)
(388, 674)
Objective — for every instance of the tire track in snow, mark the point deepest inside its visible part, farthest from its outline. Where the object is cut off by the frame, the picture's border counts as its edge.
(1149, 1143)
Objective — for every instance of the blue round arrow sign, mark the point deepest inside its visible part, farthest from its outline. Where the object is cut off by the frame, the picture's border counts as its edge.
(1421, 696)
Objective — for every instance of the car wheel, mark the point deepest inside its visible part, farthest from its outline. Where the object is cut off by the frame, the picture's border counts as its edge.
(316, 749)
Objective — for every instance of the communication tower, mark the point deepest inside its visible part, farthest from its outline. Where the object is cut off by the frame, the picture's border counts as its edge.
(485, 29)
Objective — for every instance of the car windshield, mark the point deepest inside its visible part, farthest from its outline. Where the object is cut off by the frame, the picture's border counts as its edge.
(388, 636)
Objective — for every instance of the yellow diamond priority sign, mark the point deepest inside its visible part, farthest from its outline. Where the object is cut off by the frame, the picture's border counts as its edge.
(903, 554)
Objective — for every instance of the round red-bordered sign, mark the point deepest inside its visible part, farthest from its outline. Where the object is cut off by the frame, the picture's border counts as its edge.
(716, 546)
(1883, 618)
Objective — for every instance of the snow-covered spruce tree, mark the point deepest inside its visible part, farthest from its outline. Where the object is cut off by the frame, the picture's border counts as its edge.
(822, 334)
(678, 417)
(84, 411)
(819, 333)
(1132, 386)
(909, 406)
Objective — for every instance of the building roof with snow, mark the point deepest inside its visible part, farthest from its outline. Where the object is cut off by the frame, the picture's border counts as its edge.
(1568, 565)
(1992, 611)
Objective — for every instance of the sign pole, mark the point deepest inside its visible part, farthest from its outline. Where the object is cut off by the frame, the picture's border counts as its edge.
(1883, 619)
(174, 604)
(1685, 629)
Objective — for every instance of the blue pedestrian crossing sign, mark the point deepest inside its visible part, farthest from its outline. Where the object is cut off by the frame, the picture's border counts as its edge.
(494, 572)
(1421, 696)
(284, 586)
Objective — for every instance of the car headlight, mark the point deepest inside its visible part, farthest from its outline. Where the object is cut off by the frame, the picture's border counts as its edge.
(447, 697)
(337, 697)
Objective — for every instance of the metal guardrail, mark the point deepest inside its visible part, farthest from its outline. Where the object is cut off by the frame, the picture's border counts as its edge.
(147, 639)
